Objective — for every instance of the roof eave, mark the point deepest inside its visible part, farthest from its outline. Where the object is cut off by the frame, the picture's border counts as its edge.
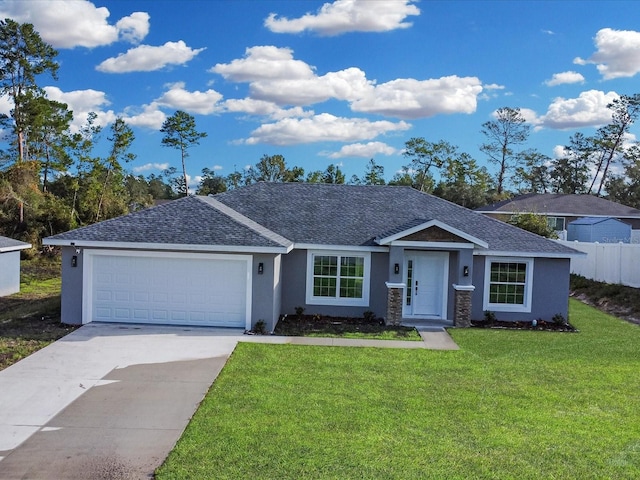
(166, 246)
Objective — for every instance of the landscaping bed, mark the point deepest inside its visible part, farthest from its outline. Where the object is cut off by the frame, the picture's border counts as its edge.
(327, 326)
(542, 325)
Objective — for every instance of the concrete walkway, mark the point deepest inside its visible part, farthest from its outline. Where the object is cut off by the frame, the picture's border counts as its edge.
(109, 401)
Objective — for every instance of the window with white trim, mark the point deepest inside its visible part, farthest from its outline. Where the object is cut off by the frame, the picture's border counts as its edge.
(557, 223)
(508, 284)
(338, 278)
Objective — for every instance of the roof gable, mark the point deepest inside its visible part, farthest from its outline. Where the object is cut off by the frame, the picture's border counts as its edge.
(431, 231)
(10, 245)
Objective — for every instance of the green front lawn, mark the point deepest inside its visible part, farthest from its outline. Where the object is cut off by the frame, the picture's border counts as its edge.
(509, 404)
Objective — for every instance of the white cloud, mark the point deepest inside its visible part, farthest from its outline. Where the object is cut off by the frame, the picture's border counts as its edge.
(203, 103)
(150, 166)
(264, 63)
(409, 98)
(274, 76)
(350, 84)
(365, 150)
(321, 128)
(262, 107)
(564, 78)
(75, 23)
(344, 16)
(617, 55)
(588, 110)
(83, 102)
(134, 27)
(150, 116)
(493, 86)
(6, 105)
(146, 58)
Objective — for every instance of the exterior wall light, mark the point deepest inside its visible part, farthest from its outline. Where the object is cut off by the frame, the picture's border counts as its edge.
(260, 268)
(465, 270)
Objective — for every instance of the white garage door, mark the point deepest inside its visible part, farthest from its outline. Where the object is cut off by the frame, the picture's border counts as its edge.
(169, 288)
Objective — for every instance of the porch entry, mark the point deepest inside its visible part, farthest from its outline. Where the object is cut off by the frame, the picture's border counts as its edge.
(426, 280)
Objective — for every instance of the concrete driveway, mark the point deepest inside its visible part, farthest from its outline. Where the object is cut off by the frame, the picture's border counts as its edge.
(109, 401)
(106, 401)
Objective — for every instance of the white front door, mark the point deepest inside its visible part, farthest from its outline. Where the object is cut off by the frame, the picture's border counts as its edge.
(426, 281)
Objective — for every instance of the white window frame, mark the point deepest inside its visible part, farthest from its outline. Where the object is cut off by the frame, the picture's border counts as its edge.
(555, 220)
(528, 288)
(337, 300)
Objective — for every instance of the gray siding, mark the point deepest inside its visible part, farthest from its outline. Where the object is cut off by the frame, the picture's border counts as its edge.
(294, 279)
(71, 297)
(9, 273)
(550, 294)
(265, 287)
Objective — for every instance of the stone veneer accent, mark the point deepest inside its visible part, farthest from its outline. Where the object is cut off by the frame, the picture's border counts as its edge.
(395, 293)
(462, 307)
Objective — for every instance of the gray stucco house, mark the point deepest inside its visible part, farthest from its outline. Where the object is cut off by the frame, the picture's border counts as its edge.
(258, 252)
(10, 265)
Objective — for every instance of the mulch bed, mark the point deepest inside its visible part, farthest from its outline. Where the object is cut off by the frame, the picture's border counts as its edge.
(300, 325)
(540, 325)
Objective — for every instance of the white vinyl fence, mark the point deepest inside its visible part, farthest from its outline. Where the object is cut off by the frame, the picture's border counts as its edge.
(607, 262)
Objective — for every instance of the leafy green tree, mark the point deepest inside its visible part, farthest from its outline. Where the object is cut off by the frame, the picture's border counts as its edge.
(23, 57)
(609, 140)
(463, 182)
(121, 139)
(210, 184)
(332, 174)
(503, 135)
(533, 173)
(625, 188)
(402, 178)
(158, 188)
(180, 133)
(424, 156)
(533, 223)
(273, 168)
(137, 192)
(374, 174)
(570, 173)
(46, 134)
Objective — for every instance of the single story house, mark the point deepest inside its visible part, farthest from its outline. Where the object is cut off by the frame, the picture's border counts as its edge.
(10, 265)
(259, 252)
(562, 209)
(599, 229)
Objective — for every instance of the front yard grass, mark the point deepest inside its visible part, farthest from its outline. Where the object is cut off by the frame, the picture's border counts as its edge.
(509, 404)
(30, 320)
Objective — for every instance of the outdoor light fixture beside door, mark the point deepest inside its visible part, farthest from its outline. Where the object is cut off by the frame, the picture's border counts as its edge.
(396, 268)
(465, 271)
(260, 268)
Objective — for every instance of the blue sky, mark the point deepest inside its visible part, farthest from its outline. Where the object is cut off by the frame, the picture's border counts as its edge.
(337, 82)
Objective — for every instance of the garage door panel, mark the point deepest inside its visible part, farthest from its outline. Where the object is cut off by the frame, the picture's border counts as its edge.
(193, 290)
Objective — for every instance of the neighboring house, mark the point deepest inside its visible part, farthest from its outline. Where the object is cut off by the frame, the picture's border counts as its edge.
(561, 209)
(10, 265)
(599, 229)
(258, 252)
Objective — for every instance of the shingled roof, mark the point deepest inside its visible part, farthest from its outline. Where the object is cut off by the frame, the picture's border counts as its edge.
(279, 214)
(9, 245)
(562, 205)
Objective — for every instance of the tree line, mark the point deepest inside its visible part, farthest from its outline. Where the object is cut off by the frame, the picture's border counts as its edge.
(52, 179)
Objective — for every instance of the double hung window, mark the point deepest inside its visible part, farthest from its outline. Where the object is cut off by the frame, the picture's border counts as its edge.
(338, 278)
(508, 284)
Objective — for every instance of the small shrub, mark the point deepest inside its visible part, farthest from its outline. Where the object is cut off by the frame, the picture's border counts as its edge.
(260, 328)
(489, 316)
(559, 319)
(369, 316)
(299, 311)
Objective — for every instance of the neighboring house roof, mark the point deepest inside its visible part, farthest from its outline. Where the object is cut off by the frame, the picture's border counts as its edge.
(9, 245)
(556, 204)
(595, 221)
(304, 214)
